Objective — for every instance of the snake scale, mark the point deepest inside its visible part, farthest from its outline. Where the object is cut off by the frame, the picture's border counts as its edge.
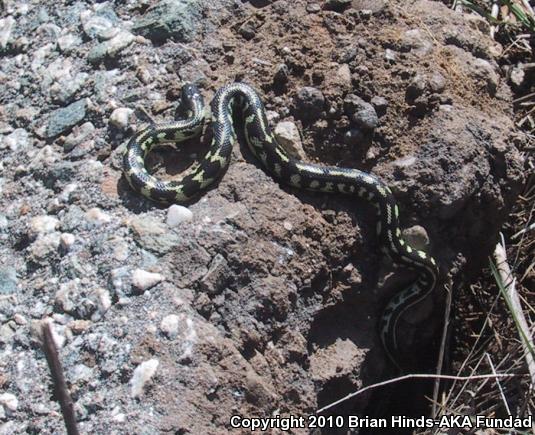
(286, 169)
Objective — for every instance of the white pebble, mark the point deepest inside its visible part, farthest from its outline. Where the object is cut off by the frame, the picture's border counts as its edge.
(120, 117)
(142, 374)
(67, 240)
(43, 224)
(144, 280)
(176, 214)
(9, 401)
(169, 325)
(104, 300)
(97, 216)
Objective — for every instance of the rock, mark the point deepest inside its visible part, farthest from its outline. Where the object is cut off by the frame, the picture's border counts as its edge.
(437, 83)
(9, 401)
(62, 120)
(144, 280)
(67, 240)
(110, 49)
(120, 118)
(170, 326)
(101, 24)
(6, 27)
(217, 277)
(97, 217)
(390, 55)
(380, 104)
(17, 140)
(416, 42)
(68, 41)
(195, 72)
(64, 90)
(313, 8)
(153, 235)
(309, 103)
(361, 112)
(8, 280)
(247, 30)
(287, 134)
(170, 19)
(416, 236)
(176, 214)
(344, 75)
(142, 374)
(416, 87)
(78, 136)
(43, 224)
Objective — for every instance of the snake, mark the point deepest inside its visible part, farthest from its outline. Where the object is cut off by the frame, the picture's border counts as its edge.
(236, 99)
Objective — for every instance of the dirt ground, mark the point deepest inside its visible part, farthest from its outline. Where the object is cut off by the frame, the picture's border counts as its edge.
(267, 301)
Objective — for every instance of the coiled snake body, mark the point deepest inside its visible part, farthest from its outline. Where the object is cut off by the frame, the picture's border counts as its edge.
(284, 168)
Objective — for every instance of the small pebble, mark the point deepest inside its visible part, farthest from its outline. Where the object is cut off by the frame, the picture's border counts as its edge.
(144, 280)
(120, 118)
(176, 214)
(142, 374)
(96, 216)
(9, 401)
(66, 240)
(169, 325)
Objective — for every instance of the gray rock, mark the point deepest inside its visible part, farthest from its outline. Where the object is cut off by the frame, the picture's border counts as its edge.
(62, 120)
(247, 30)
(8, 280)
(78, 136)
(309, 103)
(195, 72)
(17, 139)
(170, 19)
(437, 83)
(361, 112)
(44, 246)
(101, 24)
(65, 90)
(111, 48)
(67, 42)
(416, 87)
(380, 104)
(153, 235)
(217, 277)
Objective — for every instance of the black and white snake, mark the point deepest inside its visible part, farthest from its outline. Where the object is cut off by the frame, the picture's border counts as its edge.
(284, 168)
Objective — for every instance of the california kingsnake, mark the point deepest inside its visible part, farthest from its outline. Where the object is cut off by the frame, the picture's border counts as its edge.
(284, 168)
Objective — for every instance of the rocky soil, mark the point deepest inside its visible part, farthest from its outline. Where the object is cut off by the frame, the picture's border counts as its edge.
(258, 299)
